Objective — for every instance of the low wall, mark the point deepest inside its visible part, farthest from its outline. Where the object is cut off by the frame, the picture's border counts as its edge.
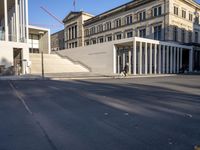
(98, 57)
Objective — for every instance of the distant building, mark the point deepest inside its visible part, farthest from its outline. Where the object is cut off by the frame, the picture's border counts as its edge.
(74, 30)
(58, 41)
(149, 23)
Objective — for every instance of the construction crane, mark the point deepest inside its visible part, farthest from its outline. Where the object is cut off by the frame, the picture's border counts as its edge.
(52, 15)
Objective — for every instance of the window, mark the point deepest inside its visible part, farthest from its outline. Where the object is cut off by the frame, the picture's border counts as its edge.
(190, 17)
(183, 14)
(142, 33)
(100, 28)
(101, 40)
(175, 34)
(176, 10)
(117, 23)
(119, 36)
(196, 37)
(94, 41)
(190, 37)
(197, 19)
(157, 11)
(183, 35)
(87, 43)
(142, 16)
(86, 32)
(92, 30)
(108, 25)
(109, 38)
(129, 19)
(157, 32)
(129, 34)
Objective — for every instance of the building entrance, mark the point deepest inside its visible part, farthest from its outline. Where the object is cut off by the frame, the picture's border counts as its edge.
(17, 57)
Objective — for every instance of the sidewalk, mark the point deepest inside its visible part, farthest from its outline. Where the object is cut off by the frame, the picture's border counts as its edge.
(83, 76)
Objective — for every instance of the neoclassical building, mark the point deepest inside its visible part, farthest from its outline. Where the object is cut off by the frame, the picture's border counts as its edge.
(148, 23)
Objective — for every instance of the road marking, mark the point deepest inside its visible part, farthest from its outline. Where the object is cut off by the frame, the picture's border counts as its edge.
(19, 96)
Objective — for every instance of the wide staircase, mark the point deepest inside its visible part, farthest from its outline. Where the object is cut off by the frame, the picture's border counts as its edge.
(54, 64)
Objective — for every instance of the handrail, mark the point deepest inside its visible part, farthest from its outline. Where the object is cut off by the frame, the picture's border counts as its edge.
(74, 61)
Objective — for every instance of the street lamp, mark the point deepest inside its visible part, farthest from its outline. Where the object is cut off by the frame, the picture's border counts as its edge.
(42, 56)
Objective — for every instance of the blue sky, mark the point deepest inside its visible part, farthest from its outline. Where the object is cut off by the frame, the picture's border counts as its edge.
(61, 8)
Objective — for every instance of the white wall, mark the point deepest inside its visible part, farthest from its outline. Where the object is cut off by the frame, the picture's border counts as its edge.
(98, 57)
(6, 52)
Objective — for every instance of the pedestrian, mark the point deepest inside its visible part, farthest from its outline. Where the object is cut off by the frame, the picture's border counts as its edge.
(125, 71)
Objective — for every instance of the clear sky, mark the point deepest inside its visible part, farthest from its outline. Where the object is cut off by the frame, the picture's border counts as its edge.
(61, 8)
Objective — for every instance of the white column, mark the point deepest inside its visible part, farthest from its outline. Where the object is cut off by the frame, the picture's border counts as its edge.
(6, 19)
(17, 20)
(178, 60)
(155, 59)
(23, 19)
(140, 59)
(150, 59)
(124, 58)
(118, 64)
(171, 59)
(26, 9)
(129, 60)
(167, 65)
(191, 60)
(146, 63)
(163, 66)
(134, 57)
(174, 67)
(181, 57)
(159, 60)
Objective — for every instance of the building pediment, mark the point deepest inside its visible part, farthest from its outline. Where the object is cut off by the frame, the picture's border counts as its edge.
(71, 16)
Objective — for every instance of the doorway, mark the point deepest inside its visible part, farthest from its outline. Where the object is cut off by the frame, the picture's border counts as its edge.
(17, 57)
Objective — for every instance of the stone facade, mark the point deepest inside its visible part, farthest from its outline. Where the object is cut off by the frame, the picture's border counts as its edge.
(74, 31)
(57, 41)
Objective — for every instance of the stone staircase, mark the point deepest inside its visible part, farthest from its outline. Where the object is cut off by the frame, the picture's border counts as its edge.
(53, 63)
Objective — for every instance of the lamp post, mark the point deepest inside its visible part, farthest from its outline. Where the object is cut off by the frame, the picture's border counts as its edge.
(42, 54)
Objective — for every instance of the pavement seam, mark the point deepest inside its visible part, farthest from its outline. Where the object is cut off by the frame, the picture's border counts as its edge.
(17, 93)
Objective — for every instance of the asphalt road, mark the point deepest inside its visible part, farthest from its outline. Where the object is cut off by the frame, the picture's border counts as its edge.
(160, 113)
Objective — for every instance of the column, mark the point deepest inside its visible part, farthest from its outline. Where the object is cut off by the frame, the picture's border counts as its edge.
(155, 59)
(129, 60)
(118, 63)
(178, 60)
(167, 63)
(26, 20)
(124, 58)
(23, 20)
(191, 60)
(181, 57)
(163, 66)
(174, 65)
(6, 19)
(17, 20)
(159, 59)
(171, 59)
(150, 59)
(146, 63)
(140, 59)
(134, 57)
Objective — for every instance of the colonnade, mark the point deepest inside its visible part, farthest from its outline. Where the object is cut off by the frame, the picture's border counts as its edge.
(152, 57)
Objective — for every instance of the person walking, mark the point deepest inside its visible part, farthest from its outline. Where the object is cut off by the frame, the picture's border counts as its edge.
(125, 71)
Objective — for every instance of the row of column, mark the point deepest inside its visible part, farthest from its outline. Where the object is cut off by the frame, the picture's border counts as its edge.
(16, 21)
(72, 32)
(149, 58)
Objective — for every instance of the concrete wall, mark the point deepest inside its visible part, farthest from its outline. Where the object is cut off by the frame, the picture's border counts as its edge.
(98, 57)
(6, 52)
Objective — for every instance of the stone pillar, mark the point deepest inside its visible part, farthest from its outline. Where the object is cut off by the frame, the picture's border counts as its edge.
(163, 61)
(124, 58)
(181, 57)
(118, 63)
(174, 65)
(155, 59)
(140, 59)
(129, 60)
(159, 59)
(171, 59)
(17, 20)
(146, 63)
(150, 59)
(167, 61)
(6, 19)
(134, 57)
(178, 60)
(191, 60)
